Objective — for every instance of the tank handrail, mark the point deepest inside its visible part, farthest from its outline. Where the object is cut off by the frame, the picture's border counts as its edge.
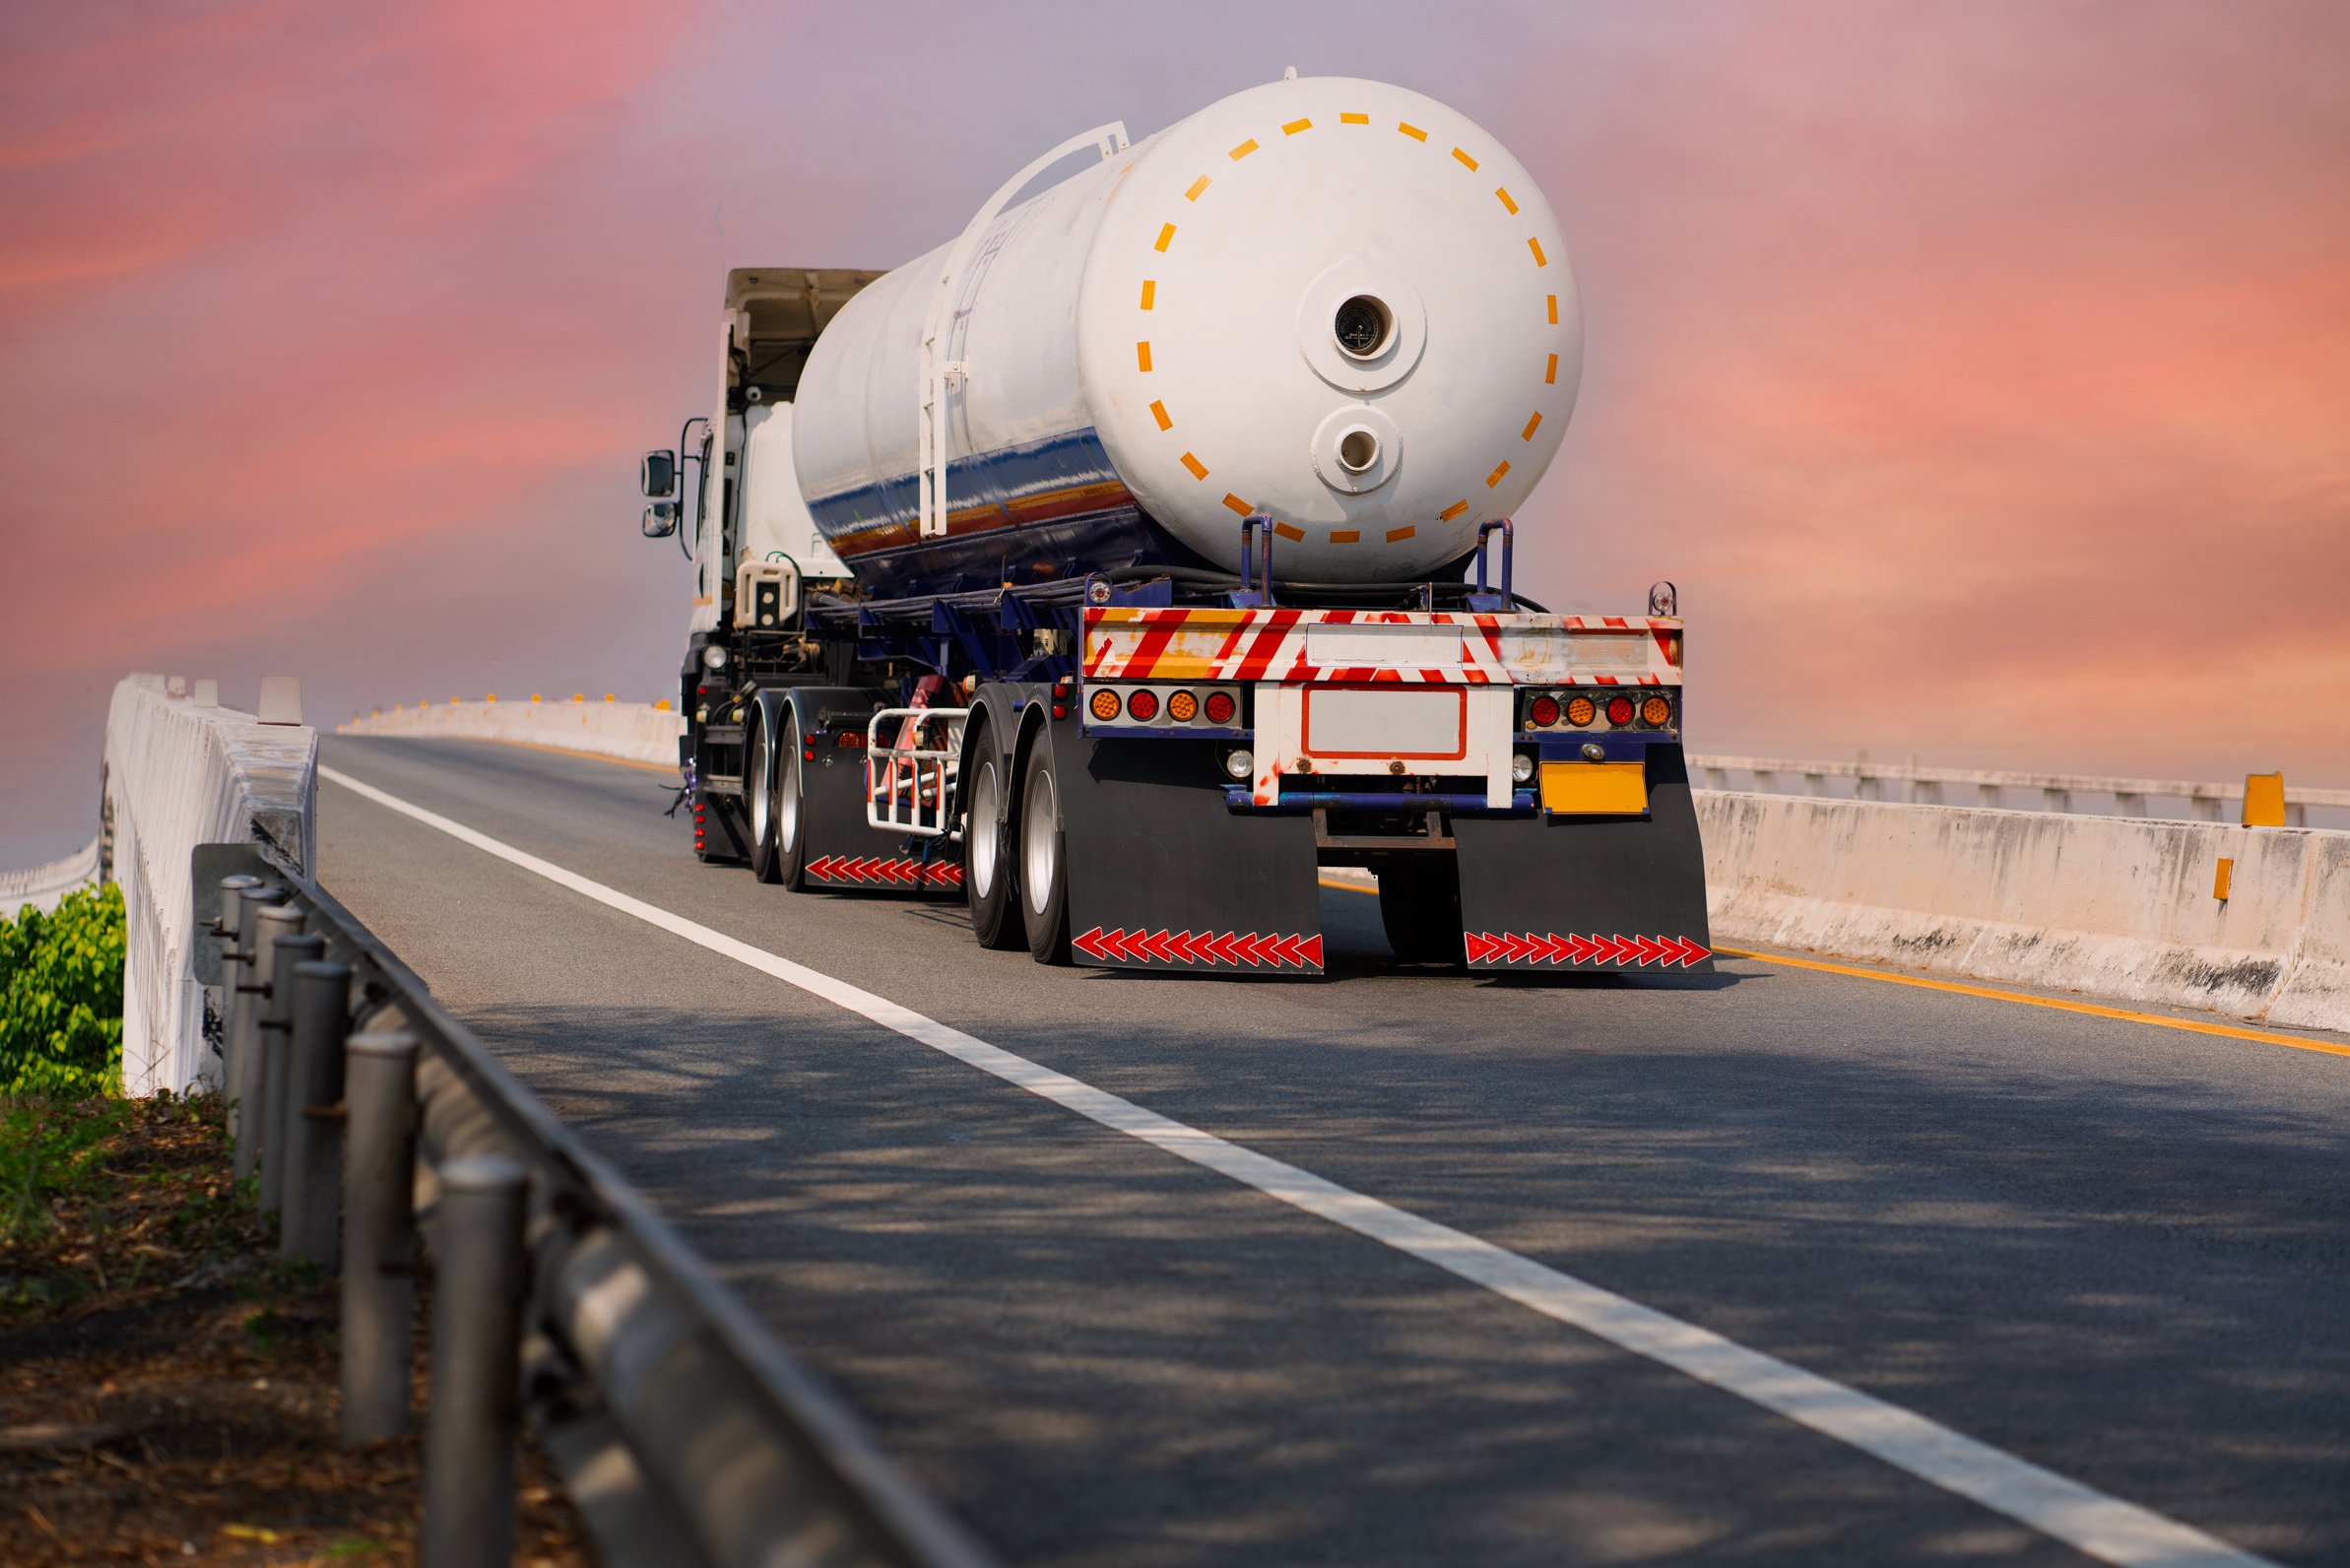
(1509, 549)
(931, 433)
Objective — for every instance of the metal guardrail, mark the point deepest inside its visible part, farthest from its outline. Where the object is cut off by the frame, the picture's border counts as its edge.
(687, 1435)
(1925, 785)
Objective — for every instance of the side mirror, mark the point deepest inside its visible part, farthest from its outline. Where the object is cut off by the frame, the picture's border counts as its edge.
(657, 476)
(660, 519)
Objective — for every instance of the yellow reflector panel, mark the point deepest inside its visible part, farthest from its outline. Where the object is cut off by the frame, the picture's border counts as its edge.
(1596, 789)
(2264, 800)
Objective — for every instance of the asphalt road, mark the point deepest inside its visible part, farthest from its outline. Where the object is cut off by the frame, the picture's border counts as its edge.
(2113, 1249)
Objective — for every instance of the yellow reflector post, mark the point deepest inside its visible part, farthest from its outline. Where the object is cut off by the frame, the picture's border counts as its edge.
(2222, 878)
(1104, 703)
(2264, 800)
(1596, 789)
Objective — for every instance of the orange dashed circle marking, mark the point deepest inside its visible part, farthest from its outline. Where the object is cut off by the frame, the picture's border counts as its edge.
(1166, 421)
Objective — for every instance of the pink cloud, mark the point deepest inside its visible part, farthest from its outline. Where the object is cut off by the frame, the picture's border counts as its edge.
(1978, 371)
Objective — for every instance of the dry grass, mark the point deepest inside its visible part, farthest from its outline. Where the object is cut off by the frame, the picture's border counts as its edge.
(167, 1388)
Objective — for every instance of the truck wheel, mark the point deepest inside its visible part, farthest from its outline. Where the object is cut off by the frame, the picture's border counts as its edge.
(791, 811)
(1420, 903)
(987, 853)
(758, 786)
(1043, 877)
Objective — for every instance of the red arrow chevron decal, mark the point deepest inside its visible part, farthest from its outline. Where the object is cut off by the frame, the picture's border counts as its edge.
(1241, 949)
(1489, 948)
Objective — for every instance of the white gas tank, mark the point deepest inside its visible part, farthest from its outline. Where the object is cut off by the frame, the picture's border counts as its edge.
(1331, 300)
(776, 524)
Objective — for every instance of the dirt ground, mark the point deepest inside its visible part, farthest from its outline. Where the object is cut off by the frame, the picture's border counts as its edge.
(167, 1388)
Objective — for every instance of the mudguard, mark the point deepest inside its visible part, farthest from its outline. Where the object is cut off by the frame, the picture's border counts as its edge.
(1584, 895)
(843, 850)
(1162, 876)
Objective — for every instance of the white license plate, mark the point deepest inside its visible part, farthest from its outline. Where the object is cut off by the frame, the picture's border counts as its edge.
(1387, 722)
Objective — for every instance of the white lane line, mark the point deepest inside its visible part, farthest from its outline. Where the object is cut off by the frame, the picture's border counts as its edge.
(2104, 1528)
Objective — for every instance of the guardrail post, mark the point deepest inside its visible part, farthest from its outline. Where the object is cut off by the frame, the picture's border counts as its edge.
(378, 1233)
(277, 1068)
(239, 1070)
(1867, 787)
(1926, 792)
(223, 929)
(2056, 800)
(2127, 804)
(269, 922)
(1988, 796)
(2207, 808)
(476, 1365)
(311, 1190)
(1816, 783)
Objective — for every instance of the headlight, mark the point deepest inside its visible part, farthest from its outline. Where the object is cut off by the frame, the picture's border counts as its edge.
(1239, 763)
(713, 656)
(1521, 768)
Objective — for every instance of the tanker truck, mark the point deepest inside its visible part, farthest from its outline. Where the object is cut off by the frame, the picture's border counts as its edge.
(1123, 563)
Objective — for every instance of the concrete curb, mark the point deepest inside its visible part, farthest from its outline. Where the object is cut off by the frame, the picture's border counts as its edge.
(2115, 907)
(633, 732)
(45, 887)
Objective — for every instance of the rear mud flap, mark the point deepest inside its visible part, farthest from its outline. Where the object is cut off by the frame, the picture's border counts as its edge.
(1162, 876)
(843, 849)
(1587, 894)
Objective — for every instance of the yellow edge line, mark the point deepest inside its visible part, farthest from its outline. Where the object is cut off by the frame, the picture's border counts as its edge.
(2058, 1003)
(2061, 1004)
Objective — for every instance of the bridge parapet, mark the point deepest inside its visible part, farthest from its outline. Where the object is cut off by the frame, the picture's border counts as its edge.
(180, 770)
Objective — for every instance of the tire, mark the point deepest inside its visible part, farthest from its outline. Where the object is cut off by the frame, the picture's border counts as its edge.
(758, 789)
(791, 814)
(1042, 878)
(989, 880)
(1420, 904)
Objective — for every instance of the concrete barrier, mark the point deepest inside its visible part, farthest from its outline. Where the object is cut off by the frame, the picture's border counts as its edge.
(633, 732)
(178, 773)
(2119, 907)
(45, 887)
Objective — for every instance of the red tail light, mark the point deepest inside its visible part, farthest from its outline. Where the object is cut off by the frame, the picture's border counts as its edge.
(1543, 711)
(1620, 710)
(1220, 707)
(1142, 705)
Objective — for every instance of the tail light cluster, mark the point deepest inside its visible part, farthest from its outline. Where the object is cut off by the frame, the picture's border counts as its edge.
(1163, 708)
(1623, 708)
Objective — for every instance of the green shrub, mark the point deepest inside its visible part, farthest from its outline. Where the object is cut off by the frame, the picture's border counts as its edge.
(61, 997)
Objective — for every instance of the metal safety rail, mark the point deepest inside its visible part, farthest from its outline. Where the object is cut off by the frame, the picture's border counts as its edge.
(1926, 785)
(909, 787)
(384, 1134)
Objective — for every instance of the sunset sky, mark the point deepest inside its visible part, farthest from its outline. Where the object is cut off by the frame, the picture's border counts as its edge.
(1981, 371)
